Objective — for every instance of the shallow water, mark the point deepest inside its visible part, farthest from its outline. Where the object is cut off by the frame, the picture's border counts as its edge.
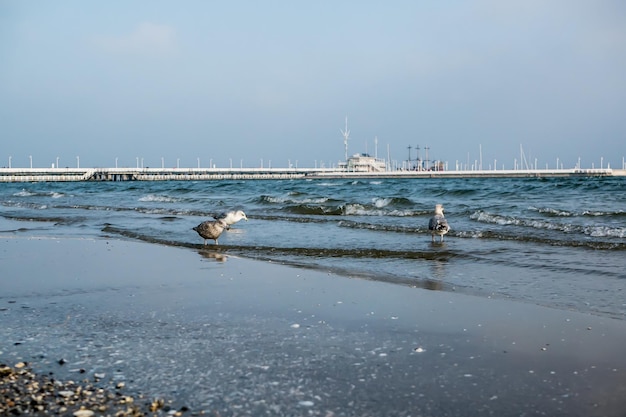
(556, 242)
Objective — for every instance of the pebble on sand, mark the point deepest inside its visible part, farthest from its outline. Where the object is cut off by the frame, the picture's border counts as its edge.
(22, 392)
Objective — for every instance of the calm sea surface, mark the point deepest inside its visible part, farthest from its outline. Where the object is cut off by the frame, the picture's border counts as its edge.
(554, 242)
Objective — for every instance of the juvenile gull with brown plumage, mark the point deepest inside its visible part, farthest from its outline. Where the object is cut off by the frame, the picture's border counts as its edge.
(211, 229)
(438, 225)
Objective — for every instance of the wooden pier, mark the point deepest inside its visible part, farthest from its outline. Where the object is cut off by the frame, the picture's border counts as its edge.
(147, 174)
(203, 174)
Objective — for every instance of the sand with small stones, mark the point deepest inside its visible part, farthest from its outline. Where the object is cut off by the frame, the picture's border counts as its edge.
(119, 325)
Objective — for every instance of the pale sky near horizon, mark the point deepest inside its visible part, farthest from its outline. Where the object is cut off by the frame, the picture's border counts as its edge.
(271, 82)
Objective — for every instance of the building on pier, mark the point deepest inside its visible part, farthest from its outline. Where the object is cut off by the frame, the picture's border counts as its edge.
(362, 162)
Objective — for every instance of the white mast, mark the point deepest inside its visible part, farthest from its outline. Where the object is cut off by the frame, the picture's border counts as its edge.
(522, 157)
(346, 135)
(376, 147)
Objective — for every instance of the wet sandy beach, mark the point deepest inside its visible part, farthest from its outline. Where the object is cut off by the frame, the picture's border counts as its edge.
(230, 336)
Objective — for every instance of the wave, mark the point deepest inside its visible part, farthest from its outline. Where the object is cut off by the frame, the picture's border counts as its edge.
(142, 210)
(294, 219)
(618, 214)
(552, 212)
(297, 203)
(541, 240)
(373, 210)
(26, 205)
(46, 219)
(569, 228)
(605, 231)
(326, 183)
(158, 198)
(456, 193)
(26, 193)
(381, 227)
(500, 235)
(303, 206)
(306, 209)
(267, 199)
(381, 202)
(486, 217)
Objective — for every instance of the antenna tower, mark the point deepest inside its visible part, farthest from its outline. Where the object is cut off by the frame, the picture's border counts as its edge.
(346, 135)
(418, 161)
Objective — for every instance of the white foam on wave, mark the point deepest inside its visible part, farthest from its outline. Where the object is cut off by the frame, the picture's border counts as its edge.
(594, 213)
(360, 210)
(485, 217)
(319, 200)
(355, 210)
(158, 199)
(597, 231)
(565, 213)
(270, 199)
(401, 213)
(473, 234)
(24, 193)
(285, 200)
(551, 211)
(27, 205)
(381, 202)
(605, 231)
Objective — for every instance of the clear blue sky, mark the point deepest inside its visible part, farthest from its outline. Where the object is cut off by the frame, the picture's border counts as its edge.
(274, 80)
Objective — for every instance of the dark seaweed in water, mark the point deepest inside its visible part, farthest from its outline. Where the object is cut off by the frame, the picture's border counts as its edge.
(557, 242)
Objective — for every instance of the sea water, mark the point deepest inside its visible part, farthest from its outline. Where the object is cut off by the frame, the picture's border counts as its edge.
(558, 242)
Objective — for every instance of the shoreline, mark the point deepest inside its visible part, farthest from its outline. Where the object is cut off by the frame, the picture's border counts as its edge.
(231, 336)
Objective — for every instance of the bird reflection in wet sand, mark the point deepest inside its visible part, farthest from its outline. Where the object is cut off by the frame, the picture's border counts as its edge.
(211, 229)
(433, 285)
(212, 255)
(438, 225)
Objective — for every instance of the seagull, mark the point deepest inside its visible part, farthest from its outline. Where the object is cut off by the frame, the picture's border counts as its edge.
(438, 225)
(211, 229)
(231, 217)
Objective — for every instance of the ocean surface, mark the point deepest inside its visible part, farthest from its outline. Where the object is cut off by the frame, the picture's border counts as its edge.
(557, 242)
